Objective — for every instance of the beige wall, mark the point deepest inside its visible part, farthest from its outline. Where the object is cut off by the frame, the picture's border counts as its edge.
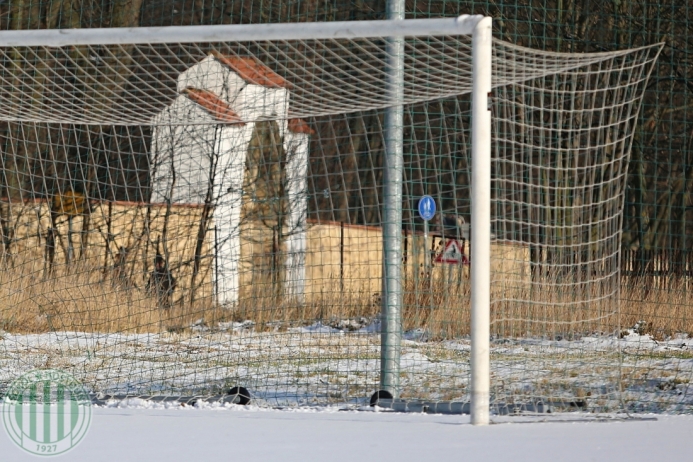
(30, 222)
(362, 251)
(362, 266)
(362, 259)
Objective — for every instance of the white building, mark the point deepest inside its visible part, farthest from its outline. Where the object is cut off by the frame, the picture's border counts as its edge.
(199, 148)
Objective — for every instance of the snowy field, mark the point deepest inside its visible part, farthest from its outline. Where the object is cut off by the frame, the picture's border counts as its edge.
(321, 365)
(138, 431)
(322, 376)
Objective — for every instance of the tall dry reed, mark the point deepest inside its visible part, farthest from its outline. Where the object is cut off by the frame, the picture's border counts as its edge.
(82, 298)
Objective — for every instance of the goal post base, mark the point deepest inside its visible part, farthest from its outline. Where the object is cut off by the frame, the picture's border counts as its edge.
(236, 395)
(460, 407)
(380, 395)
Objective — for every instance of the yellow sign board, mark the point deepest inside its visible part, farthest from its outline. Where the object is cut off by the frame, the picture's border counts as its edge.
(70, 203)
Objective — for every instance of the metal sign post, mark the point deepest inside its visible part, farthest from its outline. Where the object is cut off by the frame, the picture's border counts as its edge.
(427, 210)
(392, 293)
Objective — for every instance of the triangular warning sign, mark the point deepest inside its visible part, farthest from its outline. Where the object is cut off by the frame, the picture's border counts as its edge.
(452, 254)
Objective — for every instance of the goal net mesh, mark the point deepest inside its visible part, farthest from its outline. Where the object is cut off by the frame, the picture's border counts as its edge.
(180, 219)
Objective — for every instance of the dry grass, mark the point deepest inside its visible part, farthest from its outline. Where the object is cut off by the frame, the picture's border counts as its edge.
(661, 312)
(83, 298)
(328, 307)
(442, 307)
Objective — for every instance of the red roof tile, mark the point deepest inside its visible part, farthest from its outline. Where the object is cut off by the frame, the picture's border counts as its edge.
(214, 105)
(300, 126)
(252, 70)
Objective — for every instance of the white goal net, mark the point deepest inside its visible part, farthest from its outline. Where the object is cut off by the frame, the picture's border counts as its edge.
(181, 216)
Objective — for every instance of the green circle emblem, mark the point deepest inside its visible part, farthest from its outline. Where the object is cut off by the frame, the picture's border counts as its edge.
(46, 412)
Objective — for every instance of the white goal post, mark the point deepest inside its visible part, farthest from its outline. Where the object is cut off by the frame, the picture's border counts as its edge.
(120, 90)
(481, 220)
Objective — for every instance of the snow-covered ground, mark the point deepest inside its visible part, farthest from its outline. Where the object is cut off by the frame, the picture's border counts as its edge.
(322, 376)
(139, 431)
(322, 365)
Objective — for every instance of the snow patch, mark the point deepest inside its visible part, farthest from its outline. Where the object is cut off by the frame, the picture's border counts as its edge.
(413, 359)
(316, 328)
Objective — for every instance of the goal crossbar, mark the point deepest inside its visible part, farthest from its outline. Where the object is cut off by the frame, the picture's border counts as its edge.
(462, 25)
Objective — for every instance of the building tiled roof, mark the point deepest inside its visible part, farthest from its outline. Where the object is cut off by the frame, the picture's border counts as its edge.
(252, 70)
(214, 105)
(300, 126)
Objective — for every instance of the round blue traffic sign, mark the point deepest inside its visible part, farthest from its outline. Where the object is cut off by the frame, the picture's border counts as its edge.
(427, 207)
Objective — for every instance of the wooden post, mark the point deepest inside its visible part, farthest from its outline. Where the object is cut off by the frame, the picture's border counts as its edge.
(341, 255)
